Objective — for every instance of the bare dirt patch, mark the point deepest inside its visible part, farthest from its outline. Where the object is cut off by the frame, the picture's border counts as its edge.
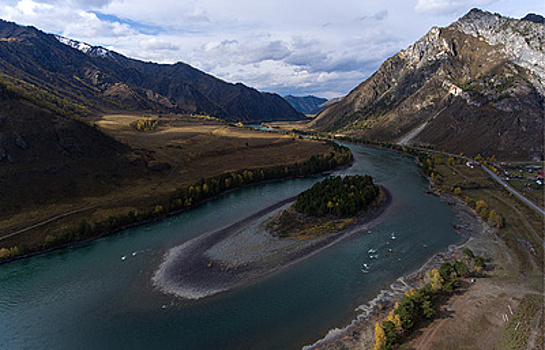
(474, 318)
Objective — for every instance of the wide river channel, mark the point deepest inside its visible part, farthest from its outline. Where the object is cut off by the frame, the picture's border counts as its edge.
(100, 295)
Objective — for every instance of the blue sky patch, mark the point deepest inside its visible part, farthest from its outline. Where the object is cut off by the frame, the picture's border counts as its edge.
(140, 27)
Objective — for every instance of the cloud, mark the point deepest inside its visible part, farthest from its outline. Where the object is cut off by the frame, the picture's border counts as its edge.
(167, 14)
(447, 7)
(89, 25)
(378, 16)
(62, 19)
(158, 44)
(28, 8)
(228, 52)
(283, 46)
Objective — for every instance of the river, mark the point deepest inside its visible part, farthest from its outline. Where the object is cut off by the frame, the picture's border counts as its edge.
(100, 295)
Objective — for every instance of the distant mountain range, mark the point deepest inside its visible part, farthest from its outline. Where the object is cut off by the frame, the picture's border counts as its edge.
(77, 78)
(476, 86)
(306, 104)
(51, 88)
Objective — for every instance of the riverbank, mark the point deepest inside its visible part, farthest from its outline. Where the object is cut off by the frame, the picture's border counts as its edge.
(53, 203)
(28, 242)
(244, 252)
(359, 334)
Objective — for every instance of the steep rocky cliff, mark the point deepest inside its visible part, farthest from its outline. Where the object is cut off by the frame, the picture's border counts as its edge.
(474, 87)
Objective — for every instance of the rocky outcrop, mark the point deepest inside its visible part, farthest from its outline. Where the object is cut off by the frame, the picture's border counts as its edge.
(523, 41)
(473, 87)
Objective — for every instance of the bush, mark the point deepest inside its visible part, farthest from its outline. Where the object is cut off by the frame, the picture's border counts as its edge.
(468, 252)
(461, 269)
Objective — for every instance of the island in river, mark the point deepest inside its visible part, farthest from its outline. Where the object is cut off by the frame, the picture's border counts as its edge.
(274, 238)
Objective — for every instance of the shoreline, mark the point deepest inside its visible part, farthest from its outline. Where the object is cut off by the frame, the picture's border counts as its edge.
(104, 228)
(143, 222)
(215, 263)
(359, 333)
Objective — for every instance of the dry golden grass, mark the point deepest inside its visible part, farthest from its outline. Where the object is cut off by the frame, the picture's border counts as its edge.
(179, 152)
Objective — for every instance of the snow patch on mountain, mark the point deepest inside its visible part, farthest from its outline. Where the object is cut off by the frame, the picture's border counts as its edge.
(95, 51)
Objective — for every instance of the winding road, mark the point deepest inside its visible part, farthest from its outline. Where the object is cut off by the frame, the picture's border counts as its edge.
(494, 176)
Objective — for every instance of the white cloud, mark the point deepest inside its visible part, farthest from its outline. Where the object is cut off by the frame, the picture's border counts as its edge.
(31, 8)
(284, 46)
(88, 25)
(229, 52)
(446, 7)
(379, 16)
(65, 20)
(158, 44)
(168, 14)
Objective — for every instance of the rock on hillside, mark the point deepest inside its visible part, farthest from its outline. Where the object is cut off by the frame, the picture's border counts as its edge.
(474, 87)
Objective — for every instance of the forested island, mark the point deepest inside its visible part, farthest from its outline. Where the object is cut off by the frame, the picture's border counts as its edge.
(326, 207)
(284, 233)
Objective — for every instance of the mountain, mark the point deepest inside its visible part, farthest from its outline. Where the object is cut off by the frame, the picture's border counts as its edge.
(532, 17)
(475, 86)
(45, 155)
(306, 104)
(52, 87)
(81, 79)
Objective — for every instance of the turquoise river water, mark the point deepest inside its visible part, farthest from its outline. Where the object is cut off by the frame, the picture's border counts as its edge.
(100, 295)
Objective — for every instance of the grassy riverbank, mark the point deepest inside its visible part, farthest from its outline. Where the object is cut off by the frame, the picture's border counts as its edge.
(187, 160)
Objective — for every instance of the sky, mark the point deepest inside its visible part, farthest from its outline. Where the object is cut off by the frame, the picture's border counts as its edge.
(297, 47)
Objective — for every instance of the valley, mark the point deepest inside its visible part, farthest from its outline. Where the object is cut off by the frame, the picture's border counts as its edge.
(263, 222)
(179, 152)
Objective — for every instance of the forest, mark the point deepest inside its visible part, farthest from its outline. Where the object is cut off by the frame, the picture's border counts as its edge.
(338, 196)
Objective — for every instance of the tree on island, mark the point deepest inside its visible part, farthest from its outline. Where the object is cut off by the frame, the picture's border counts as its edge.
(338, 196)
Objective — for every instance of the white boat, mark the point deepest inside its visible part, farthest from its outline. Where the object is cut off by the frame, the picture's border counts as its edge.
(364, 268)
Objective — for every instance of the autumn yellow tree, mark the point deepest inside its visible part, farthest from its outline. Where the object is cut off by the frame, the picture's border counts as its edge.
(395, 319)
(4, 253)
(380, 337)
(494, 219)
(435, 279)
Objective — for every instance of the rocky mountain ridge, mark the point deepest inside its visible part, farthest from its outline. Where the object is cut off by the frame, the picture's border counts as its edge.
(456, 90)
(90, 80)
(521, 40)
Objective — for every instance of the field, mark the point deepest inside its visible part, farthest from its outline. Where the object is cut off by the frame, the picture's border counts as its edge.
(523, 226)
(487, 314)
(503, 310)
(177, 152)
